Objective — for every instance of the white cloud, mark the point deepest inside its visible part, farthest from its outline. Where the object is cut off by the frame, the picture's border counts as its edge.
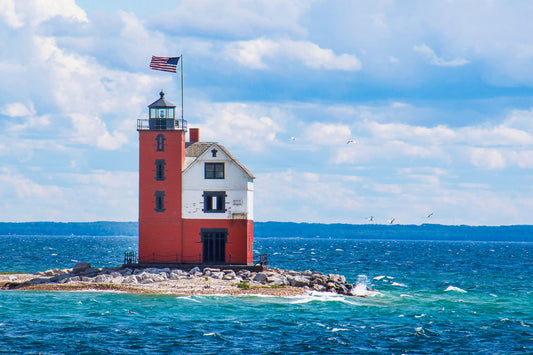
(245, 125)
(253, 53)
(18, 109)
(92, 131)
(435, 60)
(34, 12)
(326, 134)
(25, 188)
(232, 18)
(8, 14)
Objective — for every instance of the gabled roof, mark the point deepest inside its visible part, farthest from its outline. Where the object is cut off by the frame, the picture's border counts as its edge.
(196, 149)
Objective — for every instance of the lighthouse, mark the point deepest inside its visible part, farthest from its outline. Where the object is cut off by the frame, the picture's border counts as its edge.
(195, 198)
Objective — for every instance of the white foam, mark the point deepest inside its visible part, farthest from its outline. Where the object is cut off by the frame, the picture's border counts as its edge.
(398, 284)
(188, 298)
(339, 330)
(379, 277)
(453, 288)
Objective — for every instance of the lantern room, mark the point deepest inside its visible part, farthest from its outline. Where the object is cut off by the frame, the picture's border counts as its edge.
(162, 116)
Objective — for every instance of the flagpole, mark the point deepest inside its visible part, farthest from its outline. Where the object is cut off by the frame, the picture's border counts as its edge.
(182, 121)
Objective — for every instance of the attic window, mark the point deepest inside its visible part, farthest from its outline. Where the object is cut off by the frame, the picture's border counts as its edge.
(214, 153)
(214, 171)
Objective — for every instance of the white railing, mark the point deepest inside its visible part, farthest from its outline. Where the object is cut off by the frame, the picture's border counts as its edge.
(161, 125)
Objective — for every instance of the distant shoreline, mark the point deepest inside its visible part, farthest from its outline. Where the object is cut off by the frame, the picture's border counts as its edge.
(512, 233)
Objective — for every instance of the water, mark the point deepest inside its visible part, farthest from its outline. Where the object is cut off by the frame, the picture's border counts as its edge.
(434, 297)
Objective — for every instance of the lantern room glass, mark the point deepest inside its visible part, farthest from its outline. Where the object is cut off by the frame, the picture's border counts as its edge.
(162, 112)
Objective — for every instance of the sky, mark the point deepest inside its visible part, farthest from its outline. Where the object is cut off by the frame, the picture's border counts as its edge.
(437, 95)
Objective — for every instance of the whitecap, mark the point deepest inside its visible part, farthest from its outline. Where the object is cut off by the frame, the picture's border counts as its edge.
(378, 278)
(318, 297)
(398, 284)
(420, 316)
(453, 288)
(189, 298)
(210, 334)
(492, 294)
(390, 277)
(339, 330)
(54, 254)
(339, 250)
(404, 295)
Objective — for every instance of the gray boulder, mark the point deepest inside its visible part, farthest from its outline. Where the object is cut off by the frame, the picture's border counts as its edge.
(195, 270)
(260, 277)
(298, 281)
(217, 275)
(337, 278)
(130, 280)
(104, 279)
(277, 280)
(81, 267)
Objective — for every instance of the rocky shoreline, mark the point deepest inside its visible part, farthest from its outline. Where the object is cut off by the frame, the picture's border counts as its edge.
(276, 282)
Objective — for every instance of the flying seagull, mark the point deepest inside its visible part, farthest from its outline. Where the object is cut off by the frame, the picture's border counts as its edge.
(371, 218)
(429, 215)
(293, 139)
(351, 141)
(392, 221)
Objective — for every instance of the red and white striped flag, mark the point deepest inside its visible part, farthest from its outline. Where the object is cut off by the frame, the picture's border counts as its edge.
(164, 63)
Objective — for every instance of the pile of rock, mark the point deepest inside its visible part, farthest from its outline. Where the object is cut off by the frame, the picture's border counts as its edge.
(312, 281)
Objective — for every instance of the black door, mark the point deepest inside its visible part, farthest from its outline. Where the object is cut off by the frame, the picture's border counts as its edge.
(214, 245)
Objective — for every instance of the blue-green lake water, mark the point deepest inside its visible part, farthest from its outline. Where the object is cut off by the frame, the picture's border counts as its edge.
(434, 298)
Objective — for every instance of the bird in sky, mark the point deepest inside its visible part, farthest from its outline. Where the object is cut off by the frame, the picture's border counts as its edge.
(293, 139)
(392, 221)
(429, 215)
(371, 218)
(351, 141)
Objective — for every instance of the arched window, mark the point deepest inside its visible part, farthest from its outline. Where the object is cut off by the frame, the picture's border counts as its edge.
(160, 139)
(160, 169)
(159, 201)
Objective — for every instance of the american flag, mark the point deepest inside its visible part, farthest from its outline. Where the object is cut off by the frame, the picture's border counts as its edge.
(164, 63)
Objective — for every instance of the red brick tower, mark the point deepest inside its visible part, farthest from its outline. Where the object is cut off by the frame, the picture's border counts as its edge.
(161, 158)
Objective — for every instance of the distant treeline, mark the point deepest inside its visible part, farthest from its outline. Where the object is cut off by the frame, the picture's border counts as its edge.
(518, 233)
(69, 228)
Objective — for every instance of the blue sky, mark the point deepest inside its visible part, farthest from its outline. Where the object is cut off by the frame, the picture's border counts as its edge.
(437, 94)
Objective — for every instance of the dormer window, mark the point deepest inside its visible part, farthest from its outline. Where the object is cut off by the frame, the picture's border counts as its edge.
(160, 139)
(214, 171)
